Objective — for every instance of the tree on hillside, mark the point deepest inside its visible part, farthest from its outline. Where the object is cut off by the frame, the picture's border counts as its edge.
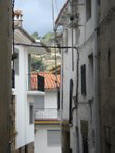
(36, 36)
(48, 37)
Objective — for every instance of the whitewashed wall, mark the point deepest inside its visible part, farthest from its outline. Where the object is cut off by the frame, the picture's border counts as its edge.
(25, 131)
(87, 43)
(68, 73)
(49, 112)
(41, 145)
(51, 99)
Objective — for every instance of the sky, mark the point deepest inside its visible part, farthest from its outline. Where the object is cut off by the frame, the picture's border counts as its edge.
(38, 14)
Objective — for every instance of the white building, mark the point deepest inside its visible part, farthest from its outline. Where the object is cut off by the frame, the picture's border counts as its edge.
(24, 117)
(79, 76)
(47, 119)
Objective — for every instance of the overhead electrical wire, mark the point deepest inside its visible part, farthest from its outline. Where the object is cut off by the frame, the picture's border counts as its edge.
(56, 6)
(53, 22)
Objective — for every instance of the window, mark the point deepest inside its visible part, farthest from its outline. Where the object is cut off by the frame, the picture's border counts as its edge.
(88, 9)
(83, 79)
(53, 137)
(26, 148)
(16, 62)
(109, 63)
(107, 131)
(58, 98)
(84, 133)
(29, 71)
(38, 102)
(40, 83)
(71, 96)
(66, 39)
(31, 114)
(99, 2)
(13, 79)
(90, 72)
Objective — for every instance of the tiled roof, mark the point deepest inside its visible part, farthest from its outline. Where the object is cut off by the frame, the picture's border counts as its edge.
(49, 78)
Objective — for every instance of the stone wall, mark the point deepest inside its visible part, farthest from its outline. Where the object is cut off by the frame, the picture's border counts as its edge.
(107, 76)
(65, 138)
(5, 72)
(29, 148)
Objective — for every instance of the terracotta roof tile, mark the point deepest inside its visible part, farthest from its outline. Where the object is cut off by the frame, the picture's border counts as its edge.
(49, 78)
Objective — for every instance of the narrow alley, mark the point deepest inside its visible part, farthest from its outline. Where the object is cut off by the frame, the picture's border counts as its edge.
(57, 82)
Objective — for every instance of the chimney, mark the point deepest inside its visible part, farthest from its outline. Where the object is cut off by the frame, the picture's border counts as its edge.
(18, 14)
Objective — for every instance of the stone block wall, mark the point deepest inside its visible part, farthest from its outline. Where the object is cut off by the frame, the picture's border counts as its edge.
(5, 72)
(107, 78)
(29, 148)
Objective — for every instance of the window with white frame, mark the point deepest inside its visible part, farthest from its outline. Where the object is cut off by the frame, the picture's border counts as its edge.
(16, 62)
(31, 114)
(53, 137)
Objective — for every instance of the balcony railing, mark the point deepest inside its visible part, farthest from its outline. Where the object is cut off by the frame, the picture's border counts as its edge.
(48, 113)
(35, 82)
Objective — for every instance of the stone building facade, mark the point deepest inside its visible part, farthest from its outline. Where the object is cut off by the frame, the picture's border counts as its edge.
(92, 126)
(5, 73)
(106, 42)
(29, 148)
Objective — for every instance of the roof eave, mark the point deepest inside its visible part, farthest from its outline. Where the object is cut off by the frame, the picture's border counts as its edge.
(62, 14)
(25, 33)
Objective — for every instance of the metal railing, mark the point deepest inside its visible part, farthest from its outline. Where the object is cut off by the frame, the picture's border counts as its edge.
(47, 113)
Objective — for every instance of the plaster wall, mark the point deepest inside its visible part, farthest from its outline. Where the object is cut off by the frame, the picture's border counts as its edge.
(25, 130)
(51, 99)
(86, 111)
(107, 75)
(68, 74)
(41, 145)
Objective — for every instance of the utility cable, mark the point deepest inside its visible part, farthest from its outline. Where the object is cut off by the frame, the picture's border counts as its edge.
(56, 6)
(53, 21)
(72, 19)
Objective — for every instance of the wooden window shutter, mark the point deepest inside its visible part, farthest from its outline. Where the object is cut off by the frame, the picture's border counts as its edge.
(58, 98)
(71, 96)
(83, 79)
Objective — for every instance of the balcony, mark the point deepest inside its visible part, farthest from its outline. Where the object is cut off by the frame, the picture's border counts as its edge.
(47, 114)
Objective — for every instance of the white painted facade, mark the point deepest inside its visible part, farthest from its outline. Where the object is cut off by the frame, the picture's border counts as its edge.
(41, 142)
(85, 40)
(24, 129)
(47, 114)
